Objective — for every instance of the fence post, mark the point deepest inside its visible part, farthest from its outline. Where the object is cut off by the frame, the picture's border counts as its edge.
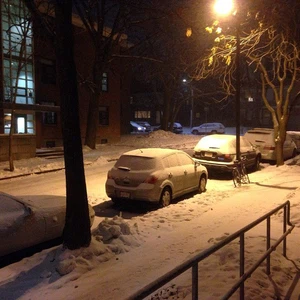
(242, 263)
(195, 281)
(268, 271)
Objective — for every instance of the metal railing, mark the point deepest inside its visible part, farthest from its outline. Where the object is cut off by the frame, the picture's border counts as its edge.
(192, 263)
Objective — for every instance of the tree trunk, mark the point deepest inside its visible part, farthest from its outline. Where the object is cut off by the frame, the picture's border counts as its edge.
(93, 113)
(10, 141)
(77, 231)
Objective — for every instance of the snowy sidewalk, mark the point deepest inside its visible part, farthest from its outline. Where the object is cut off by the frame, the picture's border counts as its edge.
(108, 152)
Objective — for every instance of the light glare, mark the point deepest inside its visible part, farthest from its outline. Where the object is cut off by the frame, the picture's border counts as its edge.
(223, 7)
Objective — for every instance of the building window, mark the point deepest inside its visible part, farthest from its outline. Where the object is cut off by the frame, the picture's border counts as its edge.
(142, 114)
(48, 72)
(23, 123)
(104, 82)
(17, 58)
(49, 117)
(103, 116)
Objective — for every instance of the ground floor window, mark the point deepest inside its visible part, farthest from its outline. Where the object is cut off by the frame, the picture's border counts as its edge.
(23, 123)
(142, 114)
(49, 117)
(104, 115)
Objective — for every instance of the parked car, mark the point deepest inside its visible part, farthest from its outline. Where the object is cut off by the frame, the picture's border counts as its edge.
(177, 127)
(136, 128)
(154, 175)
(24, 224)
(295, 135)
(218, 152)
(263, 139)
(145, 124)
(208, 128)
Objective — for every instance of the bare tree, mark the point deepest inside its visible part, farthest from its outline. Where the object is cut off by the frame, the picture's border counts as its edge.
(106, 23)
(269, 46)
(77, 227)
(77, 231)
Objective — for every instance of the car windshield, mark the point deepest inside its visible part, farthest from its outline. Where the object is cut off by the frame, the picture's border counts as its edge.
(136, 163)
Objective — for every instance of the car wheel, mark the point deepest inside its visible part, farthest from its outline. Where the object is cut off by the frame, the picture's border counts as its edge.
(166, 197)
(195, 132)
(214, 132)
(116, 201)
(202, 184)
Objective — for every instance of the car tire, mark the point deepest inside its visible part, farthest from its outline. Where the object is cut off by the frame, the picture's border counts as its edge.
(166, 197)
(214, 132)
(116, 201)
(202, 184)
(195, 132)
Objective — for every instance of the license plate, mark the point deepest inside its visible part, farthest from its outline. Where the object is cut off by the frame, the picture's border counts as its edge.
(208, 154)
(124, 194)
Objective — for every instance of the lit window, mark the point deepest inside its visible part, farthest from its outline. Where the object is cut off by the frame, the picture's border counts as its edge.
(142, 114)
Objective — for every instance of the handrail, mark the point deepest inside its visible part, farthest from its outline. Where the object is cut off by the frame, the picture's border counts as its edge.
(192, 263)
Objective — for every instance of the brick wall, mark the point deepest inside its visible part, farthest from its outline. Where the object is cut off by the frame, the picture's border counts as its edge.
(24, 146)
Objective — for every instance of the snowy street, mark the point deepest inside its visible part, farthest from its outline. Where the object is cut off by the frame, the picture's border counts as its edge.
(160, 239)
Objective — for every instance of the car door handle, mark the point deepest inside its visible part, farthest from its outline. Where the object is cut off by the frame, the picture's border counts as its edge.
(170, 175)
(185, 172)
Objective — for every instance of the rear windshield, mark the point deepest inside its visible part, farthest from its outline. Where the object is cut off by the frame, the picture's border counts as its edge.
(215, 144)
(136, 163)
(258, 133)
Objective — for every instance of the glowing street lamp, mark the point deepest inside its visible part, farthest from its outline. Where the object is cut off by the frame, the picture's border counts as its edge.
(223, 7)
(226, 7)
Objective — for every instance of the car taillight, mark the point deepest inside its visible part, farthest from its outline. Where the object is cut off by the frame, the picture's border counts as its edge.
(269, 148)
(109, 176)
(151, 180)
(228, 157)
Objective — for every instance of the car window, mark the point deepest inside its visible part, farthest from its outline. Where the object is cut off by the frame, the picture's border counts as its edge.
(184, 159)
(12, 214)
(245, 145)
(172, 160)
(136, 163)
(213, 143)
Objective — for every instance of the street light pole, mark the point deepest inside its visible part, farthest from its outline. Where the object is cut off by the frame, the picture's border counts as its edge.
(238, 92)
(192, 107)
(225, 7)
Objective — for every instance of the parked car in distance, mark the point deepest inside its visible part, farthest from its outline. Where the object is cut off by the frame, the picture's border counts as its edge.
(263, 139)
(208, 128)
(218, 152)
(26, 223)
(177, 127)
(136, 128)
(145, 124)
(154, 175)
(295, 135)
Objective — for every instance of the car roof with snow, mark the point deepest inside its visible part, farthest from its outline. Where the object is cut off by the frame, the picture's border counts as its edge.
(152, 152)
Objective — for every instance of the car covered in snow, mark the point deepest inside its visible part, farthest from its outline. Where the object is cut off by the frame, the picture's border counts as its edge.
(154, 175)
(218, 152)
(264, 140)
(24, 224)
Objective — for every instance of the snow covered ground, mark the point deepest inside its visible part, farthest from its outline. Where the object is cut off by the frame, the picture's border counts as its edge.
(128, 251)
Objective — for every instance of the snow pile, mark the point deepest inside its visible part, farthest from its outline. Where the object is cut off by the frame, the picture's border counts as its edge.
(111, 237)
